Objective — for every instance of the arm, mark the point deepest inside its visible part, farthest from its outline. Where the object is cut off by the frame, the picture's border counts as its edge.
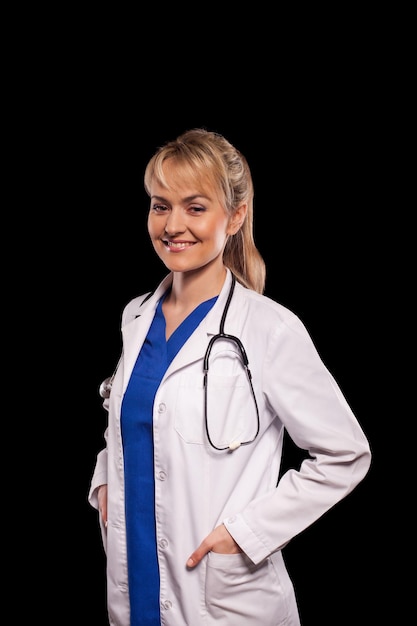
(304, 396)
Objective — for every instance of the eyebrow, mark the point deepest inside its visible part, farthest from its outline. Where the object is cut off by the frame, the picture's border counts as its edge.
(187, 199)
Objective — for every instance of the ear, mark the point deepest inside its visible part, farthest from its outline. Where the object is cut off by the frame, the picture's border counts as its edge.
(237, 220)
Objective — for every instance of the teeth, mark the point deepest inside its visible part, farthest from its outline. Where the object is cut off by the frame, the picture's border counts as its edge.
(173, 244)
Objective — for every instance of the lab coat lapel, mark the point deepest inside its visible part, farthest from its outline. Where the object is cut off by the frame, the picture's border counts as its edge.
(134, 333)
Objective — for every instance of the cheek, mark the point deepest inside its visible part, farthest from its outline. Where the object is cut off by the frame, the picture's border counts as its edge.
(151, 226)
(217, 228)
(220, 240)
(220, 233)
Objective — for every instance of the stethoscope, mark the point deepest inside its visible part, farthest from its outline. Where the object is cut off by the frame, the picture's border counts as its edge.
(106, 385)
(245, 362)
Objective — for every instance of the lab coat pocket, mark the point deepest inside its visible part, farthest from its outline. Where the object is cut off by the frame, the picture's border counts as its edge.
(239, 593)
(227, 404)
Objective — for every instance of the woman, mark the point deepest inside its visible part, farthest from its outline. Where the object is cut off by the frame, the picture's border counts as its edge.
(192, 517)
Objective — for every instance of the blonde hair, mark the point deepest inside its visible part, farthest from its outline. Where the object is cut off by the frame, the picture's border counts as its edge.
(205, 154)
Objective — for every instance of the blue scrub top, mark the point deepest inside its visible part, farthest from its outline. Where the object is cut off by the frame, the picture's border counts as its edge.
(137, 436)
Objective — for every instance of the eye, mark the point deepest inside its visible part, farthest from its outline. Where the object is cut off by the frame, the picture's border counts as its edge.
(196, 209)
(159, 208)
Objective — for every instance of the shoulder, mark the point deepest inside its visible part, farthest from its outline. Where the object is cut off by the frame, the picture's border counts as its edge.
(273, 327)
(264, 307)
(132, 308)
(137, 306)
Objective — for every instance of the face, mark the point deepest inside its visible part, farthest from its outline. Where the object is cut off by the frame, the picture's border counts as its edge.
(187, 223)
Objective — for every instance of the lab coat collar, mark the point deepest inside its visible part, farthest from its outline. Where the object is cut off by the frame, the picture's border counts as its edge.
(134, 334)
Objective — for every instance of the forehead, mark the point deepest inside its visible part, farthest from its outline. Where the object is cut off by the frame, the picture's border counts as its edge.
(182, 178)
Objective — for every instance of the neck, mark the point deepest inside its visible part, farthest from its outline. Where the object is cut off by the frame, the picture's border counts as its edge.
(192, 288)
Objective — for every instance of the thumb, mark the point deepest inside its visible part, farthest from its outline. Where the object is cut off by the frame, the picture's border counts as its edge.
(198, 554)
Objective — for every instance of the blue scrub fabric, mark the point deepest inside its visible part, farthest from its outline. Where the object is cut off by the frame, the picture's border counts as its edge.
(136, 423)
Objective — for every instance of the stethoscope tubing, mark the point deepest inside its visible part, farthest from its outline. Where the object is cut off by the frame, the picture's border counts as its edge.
(245, 362)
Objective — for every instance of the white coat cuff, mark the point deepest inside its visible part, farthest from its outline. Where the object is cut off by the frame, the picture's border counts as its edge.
(246, 539)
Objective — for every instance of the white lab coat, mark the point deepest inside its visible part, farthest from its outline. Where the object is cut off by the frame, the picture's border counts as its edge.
(197, 487)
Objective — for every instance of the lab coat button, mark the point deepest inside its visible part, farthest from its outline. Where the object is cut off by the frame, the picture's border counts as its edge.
(162, 475)
(161, 407)
(163, 544)
(232, 519)
(167, 605)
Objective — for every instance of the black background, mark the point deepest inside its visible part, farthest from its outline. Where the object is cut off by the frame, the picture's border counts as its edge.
(317, 157)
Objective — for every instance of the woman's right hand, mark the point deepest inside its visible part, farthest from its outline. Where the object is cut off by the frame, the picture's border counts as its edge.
(102, 503)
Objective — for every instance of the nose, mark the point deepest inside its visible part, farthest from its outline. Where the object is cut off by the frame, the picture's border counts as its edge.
(174, 222)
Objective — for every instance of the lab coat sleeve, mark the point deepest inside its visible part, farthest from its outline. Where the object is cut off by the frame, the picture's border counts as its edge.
(304, 395)
(100, 471)
(99, 476)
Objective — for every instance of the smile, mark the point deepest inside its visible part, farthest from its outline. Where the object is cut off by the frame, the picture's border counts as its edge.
(178, 245)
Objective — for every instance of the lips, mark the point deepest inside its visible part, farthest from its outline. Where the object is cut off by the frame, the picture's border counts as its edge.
(178, 245)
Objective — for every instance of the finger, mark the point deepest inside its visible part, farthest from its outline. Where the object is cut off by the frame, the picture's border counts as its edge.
(198, 555)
